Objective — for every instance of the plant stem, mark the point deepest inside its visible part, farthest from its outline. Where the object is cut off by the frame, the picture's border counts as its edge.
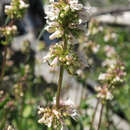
(60, 76)
(59, 86)
(41, 33)
(100, 117)
(107, 115)
(93, 116)
(3, 64)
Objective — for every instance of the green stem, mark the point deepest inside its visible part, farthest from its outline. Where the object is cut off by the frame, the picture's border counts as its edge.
(107, 115)
(7, 20)
(59, 86)
(3, 64)
(100, 117)
(60, 76)
(41, 33)
(93, 116)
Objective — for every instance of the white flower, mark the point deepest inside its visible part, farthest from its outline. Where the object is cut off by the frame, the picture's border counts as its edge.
(104, 93)
(106, 38)
(109, 62)
(80, 21)
(10, 128)
(52, 12)
(56, 34)
(51, 27)
(54, 62)
(79, 72)
(114, 36)
(98, 88)
(110, 51)
(47, 57)
(7, 8)
(51, 1)
(23, 4)
(74, 5)
(109, 96)
(117, 78)
(95, 48)
(102, 76)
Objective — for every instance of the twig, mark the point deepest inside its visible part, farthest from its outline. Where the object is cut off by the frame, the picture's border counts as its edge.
(93, 116)
(112, 10)
(100, 117)
(114, 24)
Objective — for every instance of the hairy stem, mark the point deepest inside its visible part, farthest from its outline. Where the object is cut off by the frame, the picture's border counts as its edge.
(60, 76)
(100, 117)
(59, 86)
(93, 116)
(3, 64)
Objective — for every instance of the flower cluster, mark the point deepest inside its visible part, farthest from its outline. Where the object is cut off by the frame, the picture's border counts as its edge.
(63, 22)
(7, 33)
(54, 117)
(115, 73)
(8, 30)
(16, 9)
(111, 79)
(104, 93)
(63, 17)
(58, 56)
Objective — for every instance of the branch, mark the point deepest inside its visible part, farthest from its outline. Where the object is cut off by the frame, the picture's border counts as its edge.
(112, 10)
(104, 11)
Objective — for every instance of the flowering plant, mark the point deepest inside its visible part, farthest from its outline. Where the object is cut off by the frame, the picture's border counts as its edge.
(82, 56)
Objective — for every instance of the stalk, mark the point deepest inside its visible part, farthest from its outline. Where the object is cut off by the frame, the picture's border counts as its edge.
(59, 86)
(100, 117)
(60, 76)
(107, 115)
(93, 116)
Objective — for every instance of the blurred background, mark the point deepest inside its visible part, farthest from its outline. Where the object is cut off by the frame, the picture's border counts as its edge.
(28, 83)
